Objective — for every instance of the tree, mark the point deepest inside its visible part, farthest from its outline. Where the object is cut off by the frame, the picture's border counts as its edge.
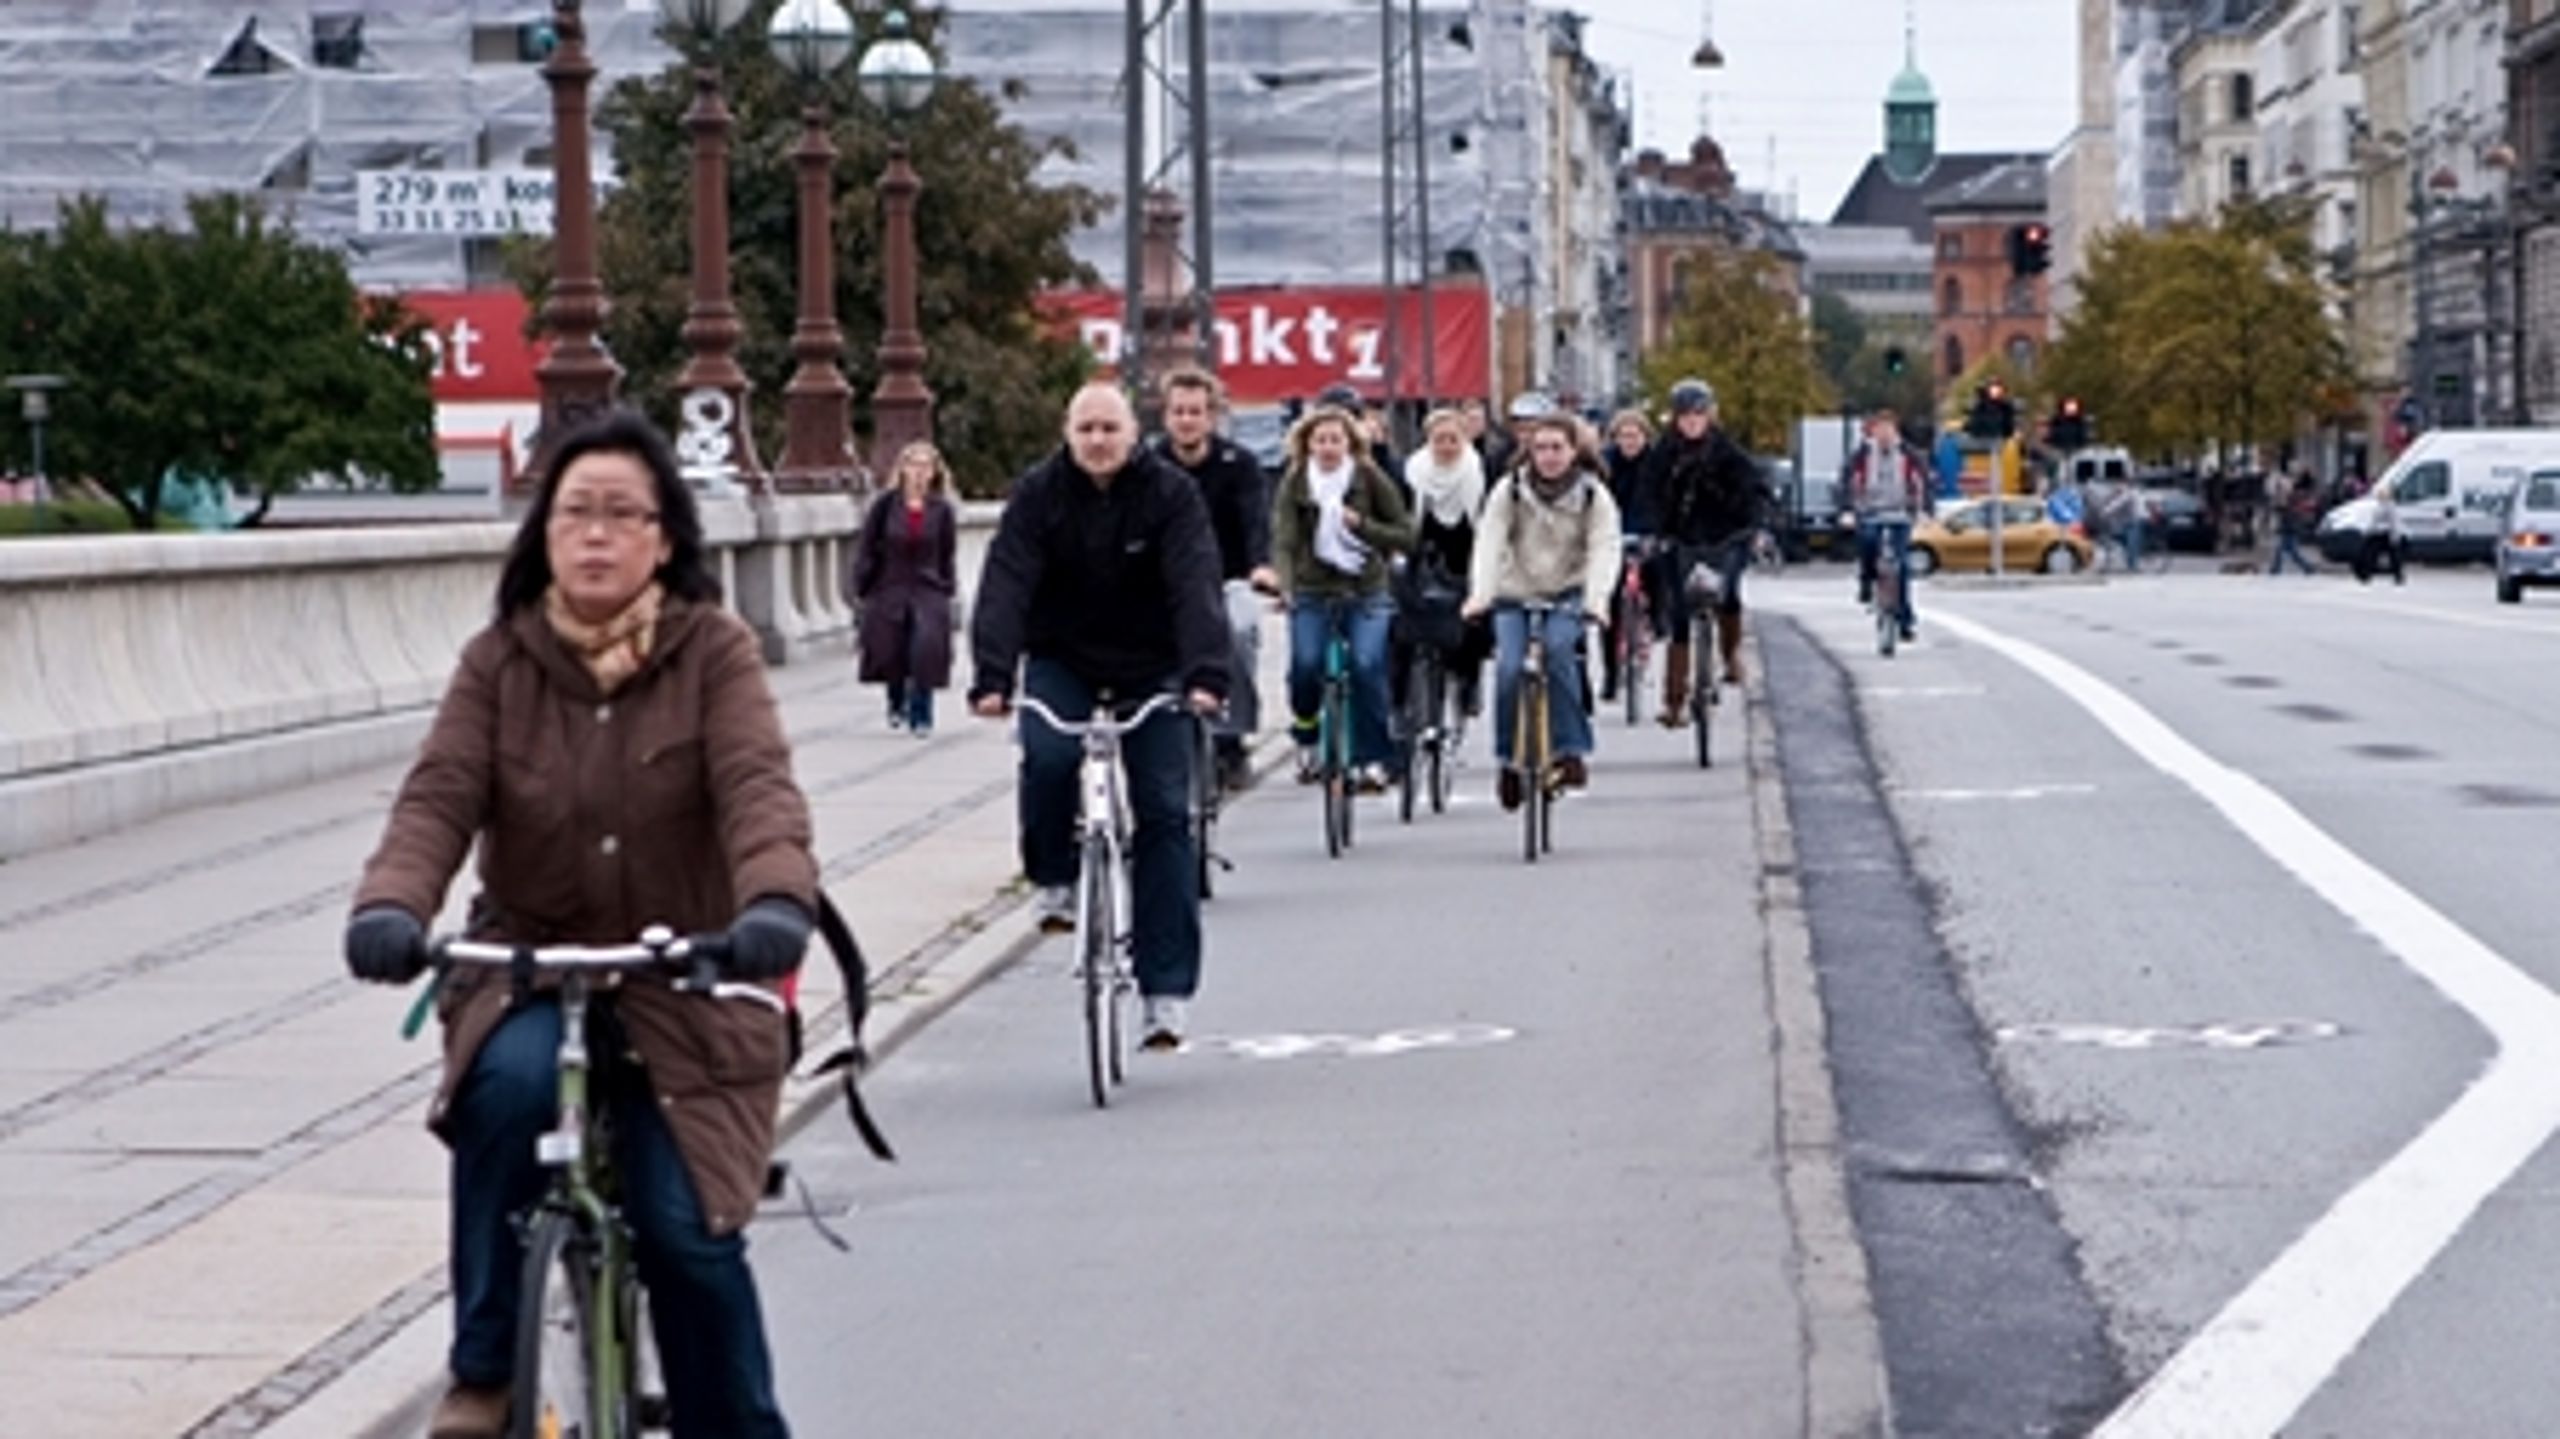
(229, 349)
(989, 240)
(1742, 333)
(2205, 338)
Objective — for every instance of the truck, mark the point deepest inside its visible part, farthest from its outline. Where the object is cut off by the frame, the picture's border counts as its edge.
(1809, 504)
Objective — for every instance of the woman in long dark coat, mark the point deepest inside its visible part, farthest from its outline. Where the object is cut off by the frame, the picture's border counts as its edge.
(903, 581)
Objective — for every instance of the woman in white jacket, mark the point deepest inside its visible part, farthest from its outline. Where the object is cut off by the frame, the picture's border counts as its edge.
(1550, 533)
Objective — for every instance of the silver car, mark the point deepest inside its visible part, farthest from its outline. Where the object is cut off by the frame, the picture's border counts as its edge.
(2529, 543)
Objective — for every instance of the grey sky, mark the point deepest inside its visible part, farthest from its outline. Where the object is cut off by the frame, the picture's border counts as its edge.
(1812, 74)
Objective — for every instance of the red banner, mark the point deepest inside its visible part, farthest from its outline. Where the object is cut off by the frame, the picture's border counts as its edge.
(481, 351)
(1290, 343)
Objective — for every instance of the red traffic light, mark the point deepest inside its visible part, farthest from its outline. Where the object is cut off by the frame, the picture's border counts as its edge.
(2038, 234)
(2070, 407)
(1995, 391)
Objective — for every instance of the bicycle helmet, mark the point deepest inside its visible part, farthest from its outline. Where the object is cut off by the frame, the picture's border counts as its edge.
(1692, 397)
(1341, 397)
(1531, 405)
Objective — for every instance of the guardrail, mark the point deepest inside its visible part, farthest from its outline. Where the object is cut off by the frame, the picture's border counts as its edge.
(141, 674)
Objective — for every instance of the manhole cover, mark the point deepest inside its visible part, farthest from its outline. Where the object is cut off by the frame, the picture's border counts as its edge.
(2228, 1035)
(2317, 714)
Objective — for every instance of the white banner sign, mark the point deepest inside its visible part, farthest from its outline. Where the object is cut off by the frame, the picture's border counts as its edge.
(458, 203)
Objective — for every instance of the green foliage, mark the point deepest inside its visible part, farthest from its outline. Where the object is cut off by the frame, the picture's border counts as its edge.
(1742, 333)
(1853, 355)
(988, 241)
(71, 517)
(227, 348)
(2199, 337)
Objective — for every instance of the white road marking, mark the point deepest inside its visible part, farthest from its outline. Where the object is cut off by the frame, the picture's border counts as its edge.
(1394, 1041)
(1921, 692)
(2274, 1344)
(2258, 1035)
(2020, 792)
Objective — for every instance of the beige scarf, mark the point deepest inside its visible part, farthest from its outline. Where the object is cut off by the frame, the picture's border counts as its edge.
(615, 650)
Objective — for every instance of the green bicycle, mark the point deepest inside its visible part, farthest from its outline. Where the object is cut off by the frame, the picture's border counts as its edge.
(585, 1367)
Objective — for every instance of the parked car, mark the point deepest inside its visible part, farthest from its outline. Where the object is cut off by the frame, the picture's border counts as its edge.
(2449, 490)
(1958, 538)
(2529, 542)
(2179, 521)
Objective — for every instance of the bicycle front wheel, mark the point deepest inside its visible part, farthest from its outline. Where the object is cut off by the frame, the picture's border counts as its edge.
(1097, 975)
(1702, 691)
(557, 1391)
(1529, 756)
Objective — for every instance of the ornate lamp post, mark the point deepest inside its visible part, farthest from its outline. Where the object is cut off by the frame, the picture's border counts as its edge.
(35, 406)
(712, 438)
(812, 39)
(578, 379)
(898, 75)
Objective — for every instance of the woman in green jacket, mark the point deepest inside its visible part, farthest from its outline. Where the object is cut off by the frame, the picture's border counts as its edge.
(1334, 520)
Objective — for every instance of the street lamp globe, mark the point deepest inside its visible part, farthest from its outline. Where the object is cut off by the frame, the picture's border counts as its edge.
(812, 38)
(704, 19)
(897, 74)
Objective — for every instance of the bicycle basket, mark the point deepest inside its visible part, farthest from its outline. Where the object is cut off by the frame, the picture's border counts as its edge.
(1704, 585)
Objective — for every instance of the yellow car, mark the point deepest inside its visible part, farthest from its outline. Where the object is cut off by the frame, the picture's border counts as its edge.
(1958, 538)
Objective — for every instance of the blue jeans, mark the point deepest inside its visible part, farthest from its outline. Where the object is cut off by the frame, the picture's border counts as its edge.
(2133, 537)
(1367, 620)
(1164, 923)
(1875, 538)
(1569, 724)
(702, 1297)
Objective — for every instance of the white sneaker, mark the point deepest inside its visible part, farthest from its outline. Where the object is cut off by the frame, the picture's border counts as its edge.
(1055, 907)
(1162, 1023)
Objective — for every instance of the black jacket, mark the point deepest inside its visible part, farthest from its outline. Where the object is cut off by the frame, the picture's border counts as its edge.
(1705, 491)
(1120, 585)
(1239, 502)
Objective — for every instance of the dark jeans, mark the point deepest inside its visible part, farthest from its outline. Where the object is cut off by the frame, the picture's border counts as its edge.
(1874, 537)
(1366, 622)
(702, 1298)
(910, 703)
(1164, 925)
(2288, 547)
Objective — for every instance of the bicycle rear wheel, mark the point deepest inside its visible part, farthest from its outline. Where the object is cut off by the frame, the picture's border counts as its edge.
(1631, 659)
(1888, 613)
(1443, 735)
(557, 1390)
(1418, 722)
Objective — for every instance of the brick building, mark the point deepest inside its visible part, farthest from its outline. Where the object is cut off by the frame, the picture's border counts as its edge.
(1982, 309)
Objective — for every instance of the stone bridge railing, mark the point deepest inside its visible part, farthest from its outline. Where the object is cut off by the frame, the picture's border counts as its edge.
(144, 674)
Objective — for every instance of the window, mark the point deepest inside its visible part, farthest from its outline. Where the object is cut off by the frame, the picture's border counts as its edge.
(337, 41)
(1951, 246)
(2022, 355)
(2021, 298)
(2430, 481)
(1951, 358)
(248, 55)
(530, 43)
(2244, 95)
(1951, 297)
(2236, 173)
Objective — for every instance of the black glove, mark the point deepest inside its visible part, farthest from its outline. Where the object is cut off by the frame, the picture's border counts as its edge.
(386, 945)
(768, 939)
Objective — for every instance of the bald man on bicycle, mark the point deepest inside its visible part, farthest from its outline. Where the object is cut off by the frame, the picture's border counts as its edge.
(1103, 578)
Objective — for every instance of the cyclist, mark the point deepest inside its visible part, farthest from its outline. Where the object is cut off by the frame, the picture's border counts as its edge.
(1103, 575)
(1630, 435)
(1232, 486)
(609, 744)
(1447, 479)
(1550, 532)
(1888, 490)
(1709, 503)
(1334, 520)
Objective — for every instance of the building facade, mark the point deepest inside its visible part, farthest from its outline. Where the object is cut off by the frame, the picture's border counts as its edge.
(1983, 310)
(2145, 77)
(2309, 100)
(2081, 177)
(1672, 211)
(2215, 65)
(2533, 122)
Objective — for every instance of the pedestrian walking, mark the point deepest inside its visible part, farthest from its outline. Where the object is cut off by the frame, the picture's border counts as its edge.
(2383, 547)
(903, 582)
(2294, 503)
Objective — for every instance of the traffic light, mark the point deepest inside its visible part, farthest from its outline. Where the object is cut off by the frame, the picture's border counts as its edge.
(2069, 427)
(1994, 415)
(2030, 248)
(1896, 361)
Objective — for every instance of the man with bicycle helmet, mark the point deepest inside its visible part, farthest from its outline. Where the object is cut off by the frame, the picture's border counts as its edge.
(1709, 503)
(1103, 576)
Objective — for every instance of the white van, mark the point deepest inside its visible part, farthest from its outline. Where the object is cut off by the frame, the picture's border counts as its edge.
(2449, 491)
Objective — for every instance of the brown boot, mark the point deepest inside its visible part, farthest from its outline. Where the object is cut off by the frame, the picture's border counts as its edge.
(1729, 646)
(1675, 686)
(469, 1412)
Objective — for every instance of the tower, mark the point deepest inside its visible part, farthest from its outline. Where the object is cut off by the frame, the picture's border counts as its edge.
(1910, 113)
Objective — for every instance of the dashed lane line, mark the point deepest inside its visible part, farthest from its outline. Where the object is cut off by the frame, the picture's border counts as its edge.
(2254, 1364)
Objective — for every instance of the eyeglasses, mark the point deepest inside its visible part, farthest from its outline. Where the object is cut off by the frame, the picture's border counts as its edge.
(616, 519)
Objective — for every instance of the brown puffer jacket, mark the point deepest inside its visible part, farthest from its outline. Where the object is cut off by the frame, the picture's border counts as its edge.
(670, 803)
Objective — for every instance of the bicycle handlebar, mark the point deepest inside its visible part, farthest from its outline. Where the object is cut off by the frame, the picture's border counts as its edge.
(695, 959)
(1116, 728)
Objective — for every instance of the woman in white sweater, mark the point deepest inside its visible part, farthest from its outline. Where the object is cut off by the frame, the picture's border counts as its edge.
(1549, 534)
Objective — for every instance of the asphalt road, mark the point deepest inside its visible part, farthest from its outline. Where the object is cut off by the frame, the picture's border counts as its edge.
(1571, 1221)
(2233, 877)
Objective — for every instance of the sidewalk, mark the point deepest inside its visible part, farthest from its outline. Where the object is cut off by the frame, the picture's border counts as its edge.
(220, 1212)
